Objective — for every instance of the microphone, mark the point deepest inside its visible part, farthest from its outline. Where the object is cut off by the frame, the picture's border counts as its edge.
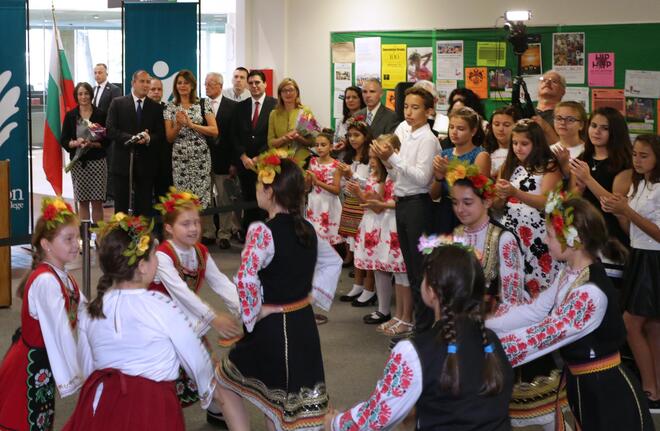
(134, 139)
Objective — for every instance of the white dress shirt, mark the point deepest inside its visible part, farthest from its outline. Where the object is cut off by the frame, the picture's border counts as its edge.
(230, 94)
(98, 93)
(261, 104)
(215, 104)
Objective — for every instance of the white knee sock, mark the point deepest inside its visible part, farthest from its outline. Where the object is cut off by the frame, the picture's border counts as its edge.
(357, 288)
(384, 289)
(365, 295)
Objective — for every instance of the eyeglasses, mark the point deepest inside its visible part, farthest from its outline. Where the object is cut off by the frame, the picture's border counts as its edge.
(288, 90)
(550, 80)
(567, 120)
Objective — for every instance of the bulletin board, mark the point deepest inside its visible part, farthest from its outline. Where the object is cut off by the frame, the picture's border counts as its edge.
(634, 48)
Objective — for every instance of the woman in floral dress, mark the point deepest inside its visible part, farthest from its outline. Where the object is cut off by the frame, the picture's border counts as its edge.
(187, 129)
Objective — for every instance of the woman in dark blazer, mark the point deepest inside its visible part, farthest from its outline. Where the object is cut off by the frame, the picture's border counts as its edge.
(89, 173)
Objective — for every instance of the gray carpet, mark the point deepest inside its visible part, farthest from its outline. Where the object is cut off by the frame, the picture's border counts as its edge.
(354, 353)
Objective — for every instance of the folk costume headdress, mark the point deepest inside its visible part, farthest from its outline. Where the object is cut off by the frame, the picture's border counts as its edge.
(268, 163)
(560, 218)
(55, 211)
(176, 200)
(138, 229)
(459, 170)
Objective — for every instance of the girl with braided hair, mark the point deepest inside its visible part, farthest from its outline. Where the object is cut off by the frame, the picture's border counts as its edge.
(132, 341)
(43, 353)
(456, 374)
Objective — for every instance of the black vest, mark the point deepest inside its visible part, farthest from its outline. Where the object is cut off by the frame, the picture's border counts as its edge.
(439, 410)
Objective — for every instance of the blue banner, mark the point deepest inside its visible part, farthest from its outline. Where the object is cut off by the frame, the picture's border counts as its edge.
(13, 111)
(160, 38)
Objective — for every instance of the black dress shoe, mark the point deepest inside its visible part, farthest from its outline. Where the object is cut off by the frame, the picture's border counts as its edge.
(349, 298)
(376, 318)
(217, 420)
(224, 244)
(371, 301)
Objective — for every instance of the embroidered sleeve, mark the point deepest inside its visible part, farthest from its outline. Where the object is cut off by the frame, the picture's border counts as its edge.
(192, 305)
(46, 304)
(395, 394)
(326, 274)
(577, 315)
(512, 271)
(258, 253)
(221, 285)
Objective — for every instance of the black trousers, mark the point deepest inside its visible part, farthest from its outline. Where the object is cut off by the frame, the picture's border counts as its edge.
(414, 217)
(248, 181)
(143, 194)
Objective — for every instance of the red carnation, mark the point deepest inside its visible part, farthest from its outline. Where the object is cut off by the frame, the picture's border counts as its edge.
(479, 181)
(176, 196)
(558, 223)
(272, 160)
(169, 206)
(50, 212)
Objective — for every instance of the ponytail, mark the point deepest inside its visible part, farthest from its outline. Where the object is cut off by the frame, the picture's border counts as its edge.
(95, 307)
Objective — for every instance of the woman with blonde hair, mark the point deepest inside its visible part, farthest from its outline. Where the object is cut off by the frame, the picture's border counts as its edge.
(284, 119)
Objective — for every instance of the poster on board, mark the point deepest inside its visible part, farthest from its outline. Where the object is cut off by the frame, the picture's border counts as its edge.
(601, 69)
(568, 56)
(343, 78)
(605, 97)
(444, 87)
(343, 52)
(491, 54)
(639, 115)
(578, 94)
(642, 83)
(500, 83)
(476, 79)
(393, 65)
(449, 59)
(530, 61)
(420, 64)
(367, 59)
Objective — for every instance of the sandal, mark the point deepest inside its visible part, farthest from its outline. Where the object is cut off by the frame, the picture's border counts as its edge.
(400, 329)
(383, 327)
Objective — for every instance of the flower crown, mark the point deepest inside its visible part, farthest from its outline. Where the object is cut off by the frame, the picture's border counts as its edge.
(269, 162)
(138, 229)
(458, 170)
(427, 244)
(54, 210)
(176, 199)
(561, 218)
(357, 121)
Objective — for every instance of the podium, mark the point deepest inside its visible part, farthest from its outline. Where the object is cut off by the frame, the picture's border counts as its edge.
(5, 232)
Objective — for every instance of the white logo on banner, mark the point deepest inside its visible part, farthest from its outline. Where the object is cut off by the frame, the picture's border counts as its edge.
(161, 69)
(8, 106)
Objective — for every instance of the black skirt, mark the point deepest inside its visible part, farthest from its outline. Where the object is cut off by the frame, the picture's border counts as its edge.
(642, 283)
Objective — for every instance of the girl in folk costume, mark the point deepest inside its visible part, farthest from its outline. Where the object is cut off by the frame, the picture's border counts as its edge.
(132, 341)
(389, 261)
(42, 356)
(640, 214)
(456, 374)
(579, 316)
(183, 266)
(323, 203)
(367, 239)
(277, 366)
(497, 247)
(355, 168)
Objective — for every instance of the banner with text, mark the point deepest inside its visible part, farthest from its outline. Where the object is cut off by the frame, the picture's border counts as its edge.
(13, 112)
(160, 38)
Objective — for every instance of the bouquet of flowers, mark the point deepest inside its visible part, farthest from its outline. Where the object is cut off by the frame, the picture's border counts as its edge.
(306, 125)
(92, 132)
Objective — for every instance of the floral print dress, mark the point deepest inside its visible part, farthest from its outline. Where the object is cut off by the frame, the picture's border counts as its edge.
(367, 239)
(191, 157)
(529, 224)
(323, 207)
(389, 257)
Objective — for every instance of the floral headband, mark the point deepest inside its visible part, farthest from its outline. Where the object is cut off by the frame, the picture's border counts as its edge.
(176, 199)
(561, 218)
(54, 210)
(458, 170)
(138, 229)
(269, 163)
(357, 121)
(427, 244)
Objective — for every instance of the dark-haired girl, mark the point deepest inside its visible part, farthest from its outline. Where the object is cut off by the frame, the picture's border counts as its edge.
(278, 366)
(456, 375)
(42, 356)
(498, 137)
(353, 102)
(132, 341)
(579, 316)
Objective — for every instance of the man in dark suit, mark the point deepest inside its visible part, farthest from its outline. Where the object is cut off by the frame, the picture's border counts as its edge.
(128, 116)
(252, 139)
(380, 119)
(223, 162)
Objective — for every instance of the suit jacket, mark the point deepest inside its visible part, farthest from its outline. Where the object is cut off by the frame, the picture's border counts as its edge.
(223, 146)
(122, 124)
(249, 141)
(384, 122)
(69, 132)
(110, 91)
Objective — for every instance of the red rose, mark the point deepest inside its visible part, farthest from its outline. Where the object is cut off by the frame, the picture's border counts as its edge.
(169, 206)
(272, 160)
(176, 196)
(525, 234)
(558, 224)
(545, 262)
(50, 212)
(479, 181)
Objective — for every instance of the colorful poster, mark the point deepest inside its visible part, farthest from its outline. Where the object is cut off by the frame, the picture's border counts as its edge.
(642, 83)
(602, 98)
(601, 69)
(500, 84)
(568, 56)
(449, 59)
(476, 79)
(420, 64)
(444, 87)
(14, 114)
(393, 69)
(530, 61)
(639, 115)
(367, 59)
(343, 52)
(578, 94)
(390, 100)
(491, 54)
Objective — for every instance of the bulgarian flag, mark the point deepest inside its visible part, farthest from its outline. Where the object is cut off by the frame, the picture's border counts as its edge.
(59, 101)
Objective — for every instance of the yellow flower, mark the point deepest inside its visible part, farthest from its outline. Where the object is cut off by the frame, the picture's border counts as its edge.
(185, 195)
(281, 153)
(267, 175)
(59, 204)
(143, 245)
(460, 172)
(120, 216)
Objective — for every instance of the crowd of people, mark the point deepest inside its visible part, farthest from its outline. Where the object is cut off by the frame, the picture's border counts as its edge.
(522, 255)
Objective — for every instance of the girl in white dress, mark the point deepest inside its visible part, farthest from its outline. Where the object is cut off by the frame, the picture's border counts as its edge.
(132, 341)
(498, 137)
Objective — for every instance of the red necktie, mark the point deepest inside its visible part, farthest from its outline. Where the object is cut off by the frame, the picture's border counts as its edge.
(255, 116)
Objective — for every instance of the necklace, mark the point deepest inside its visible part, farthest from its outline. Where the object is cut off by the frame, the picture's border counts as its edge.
(596, 163)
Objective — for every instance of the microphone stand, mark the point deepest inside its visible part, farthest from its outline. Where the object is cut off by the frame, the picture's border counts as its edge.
(131, 156)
